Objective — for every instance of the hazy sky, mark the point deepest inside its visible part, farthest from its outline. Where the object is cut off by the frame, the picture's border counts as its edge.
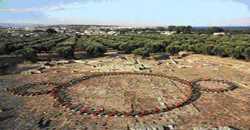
(127, 12)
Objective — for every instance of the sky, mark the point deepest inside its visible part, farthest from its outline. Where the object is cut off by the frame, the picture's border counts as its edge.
(127, 12)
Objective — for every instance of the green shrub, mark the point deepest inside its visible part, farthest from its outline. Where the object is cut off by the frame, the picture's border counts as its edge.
(10, 48)
(142, 51)
(65, 52)
(207, 49)
(219, 51)
(247, 53)
(237, 52)
(191, 48)
(3, 48)
(173, 49)
(198, 48)
(128, 47)
(113, 45)
(81, 45)
(96, 49)
(155, 47)
(27, 53)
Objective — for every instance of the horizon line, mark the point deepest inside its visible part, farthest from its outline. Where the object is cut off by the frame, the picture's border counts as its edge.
(119, 25)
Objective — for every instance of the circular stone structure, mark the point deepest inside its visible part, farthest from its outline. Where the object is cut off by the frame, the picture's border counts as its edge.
(124, 94)
(33, 89)
(214, 85)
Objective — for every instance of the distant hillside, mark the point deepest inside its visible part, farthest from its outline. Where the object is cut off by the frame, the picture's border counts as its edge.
(14, 25)
(227, 27)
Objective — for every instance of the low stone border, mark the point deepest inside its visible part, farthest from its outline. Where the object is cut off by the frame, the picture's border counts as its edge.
(231, 85)
(60, 94)
(23, 90)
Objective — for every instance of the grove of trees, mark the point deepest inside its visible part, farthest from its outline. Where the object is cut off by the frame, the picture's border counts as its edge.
(236, 46)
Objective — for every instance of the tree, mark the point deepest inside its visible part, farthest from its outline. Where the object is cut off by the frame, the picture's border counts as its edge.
(51, 31)
(207, 49)
(247, 53)
(3, 48)
(188, 29)
(237, 52)
(219, 51)
(171, 28)
(65, 52)
(95, 50)
(27, 53)
(173, 49)
(155, 47)
(161, 28)
(128, 47)
(81, 45)
(212, 30)
(179, 29)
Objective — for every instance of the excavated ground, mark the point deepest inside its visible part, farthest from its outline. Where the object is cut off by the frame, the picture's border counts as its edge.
(129, 93)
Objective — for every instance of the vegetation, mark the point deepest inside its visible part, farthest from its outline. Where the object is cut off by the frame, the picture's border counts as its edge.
(51, 30)
(179, 29)
(95, 50)
(161, 56)
(144, 52)
(65, 52)
(247, 53)
(3, 48)
(236, 45)
(27, 53)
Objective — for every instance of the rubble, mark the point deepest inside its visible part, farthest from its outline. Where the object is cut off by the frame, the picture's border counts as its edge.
(218, 128)
(136, 61)
(182, 54)
(142, 67)
(162, 56)
(122, 57)
(62, 62)
(49, 64)
(160, 62)
(43, 67)
(29, 72)
(35, 72)
(142, 126)
(173, 61)
(81, 61)
(183, 66)
(71, 61)
(44, 123)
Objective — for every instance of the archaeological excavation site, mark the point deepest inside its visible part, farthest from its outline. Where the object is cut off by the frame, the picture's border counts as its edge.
(126, 92)
(124, 64)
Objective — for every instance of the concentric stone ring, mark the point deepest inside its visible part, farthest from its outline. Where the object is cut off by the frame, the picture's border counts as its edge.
(214, 85)
(119, 94)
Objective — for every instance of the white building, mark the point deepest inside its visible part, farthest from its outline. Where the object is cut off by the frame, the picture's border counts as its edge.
(219, 34)
(168, 32)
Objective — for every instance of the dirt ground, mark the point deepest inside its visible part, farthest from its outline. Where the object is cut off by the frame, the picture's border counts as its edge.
(206, 110)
